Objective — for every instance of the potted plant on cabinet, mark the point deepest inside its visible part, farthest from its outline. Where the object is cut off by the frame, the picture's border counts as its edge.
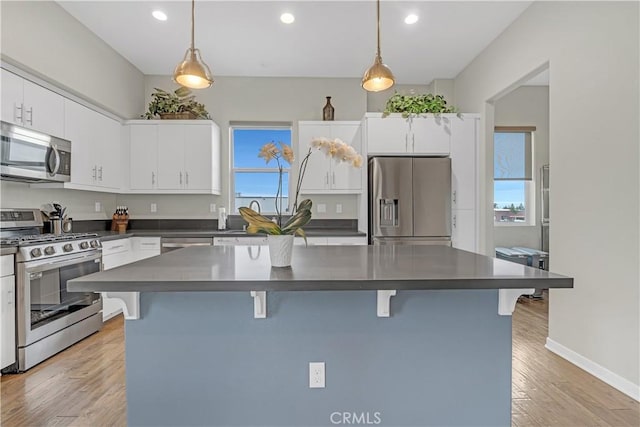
(416, 104)
(179, 104)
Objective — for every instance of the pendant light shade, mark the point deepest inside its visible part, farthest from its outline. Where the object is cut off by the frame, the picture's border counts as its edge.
(192, 72)
(378, 77)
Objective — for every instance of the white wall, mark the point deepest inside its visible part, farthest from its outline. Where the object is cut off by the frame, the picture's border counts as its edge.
(42, 38)
(592, 52)
(525, 106)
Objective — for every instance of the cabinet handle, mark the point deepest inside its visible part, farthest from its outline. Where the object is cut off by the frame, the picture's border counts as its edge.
(333, 178)
(186, 177)
(406, 142)
(30, 119)
(454, 196)
(326, 178)
(16, 117)
(180, 177)
(454, 222)
(100, 173)
(10, 299)
(413, 142)
(94, 175)
(153, 178)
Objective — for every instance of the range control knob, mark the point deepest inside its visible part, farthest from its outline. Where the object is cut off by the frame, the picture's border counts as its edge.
(68, 247)
(95, 244)
(36, 252)
(84, 245)
(49, 250)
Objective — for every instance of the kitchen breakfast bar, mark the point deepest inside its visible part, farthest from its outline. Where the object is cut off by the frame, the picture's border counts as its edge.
(409, 335)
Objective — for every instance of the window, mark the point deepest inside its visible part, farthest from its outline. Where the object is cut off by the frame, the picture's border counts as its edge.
(252, 178)
(513, 189)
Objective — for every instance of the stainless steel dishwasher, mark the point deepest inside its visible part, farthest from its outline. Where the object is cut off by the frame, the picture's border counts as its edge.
(173, 243)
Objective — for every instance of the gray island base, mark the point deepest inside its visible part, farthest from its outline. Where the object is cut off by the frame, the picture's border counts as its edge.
(200, 355)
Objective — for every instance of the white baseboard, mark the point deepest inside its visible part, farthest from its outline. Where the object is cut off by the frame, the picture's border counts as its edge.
(614, 380)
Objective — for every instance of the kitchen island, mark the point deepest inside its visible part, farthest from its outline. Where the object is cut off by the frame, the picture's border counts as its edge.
(410, 335)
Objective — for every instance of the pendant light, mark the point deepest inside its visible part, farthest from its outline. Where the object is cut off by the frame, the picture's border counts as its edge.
(378, 77)
(192, 72)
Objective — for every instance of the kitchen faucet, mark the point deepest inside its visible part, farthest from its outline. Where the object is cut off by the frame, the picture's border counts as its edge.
(257, 203)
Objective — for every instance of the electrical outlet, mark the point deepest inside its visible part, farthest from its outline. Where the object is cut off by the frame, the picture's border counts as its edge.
(338, 207)
(154, 207)
(322, 208)
(98, 207)
(316, 374)
(212, 207)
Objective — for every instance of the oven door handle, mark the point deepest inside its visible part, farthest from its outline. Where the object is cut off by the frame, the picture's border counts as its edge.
(45, 265)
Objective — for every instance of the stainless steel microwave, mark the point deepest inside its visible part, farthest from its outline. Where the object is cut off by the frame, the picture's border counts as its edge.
(31, 156)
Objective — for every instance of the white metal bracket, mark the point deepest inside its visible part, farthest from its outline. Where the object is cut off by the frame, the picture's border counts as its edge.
(507, 299)
(130, 302)
(384, 302)
(259, 304)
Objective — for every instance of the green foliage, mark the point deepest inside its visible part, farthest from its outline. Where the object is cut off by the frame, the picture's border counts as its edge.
(417, 104)
(179, 101)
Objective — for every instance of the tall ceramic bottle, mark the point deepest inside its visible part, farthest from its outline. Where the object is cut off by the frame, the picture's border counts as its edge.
(327, 111)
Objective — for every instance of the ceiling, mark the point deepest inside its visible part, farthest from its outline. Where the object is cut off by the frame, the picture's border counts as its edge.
(327, 39)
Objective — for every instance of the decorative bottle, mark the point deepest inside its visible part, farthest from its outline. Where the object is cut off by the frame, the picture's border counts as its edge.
(327, 111)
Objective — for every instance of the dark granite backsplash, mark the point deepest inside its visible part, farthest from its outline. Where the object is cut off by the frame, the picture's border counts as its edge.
(235, 222)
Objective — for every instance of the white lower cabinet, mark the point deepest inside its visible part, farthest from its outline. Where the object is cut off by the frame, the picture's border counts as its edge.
(121, 252)
(7, 312)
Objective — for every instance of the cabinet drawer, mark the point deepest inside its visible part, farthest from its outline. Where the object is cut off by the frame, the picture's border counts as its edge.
(146, 244)
(111, 247)
(6, 265)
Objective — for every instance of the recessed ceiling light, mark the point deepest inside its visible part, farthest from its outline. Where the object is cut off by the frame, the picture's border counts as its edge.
(159, 15)
(411, 19)
(287, 18)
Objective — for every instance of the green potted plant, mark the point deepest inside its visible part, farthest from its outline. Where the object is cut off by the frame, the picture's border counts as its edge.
(415, 104)
(179, 104)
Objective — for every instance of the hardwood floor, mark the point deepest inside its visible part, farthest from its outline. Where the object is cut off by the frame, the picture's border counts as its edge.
(85, 385)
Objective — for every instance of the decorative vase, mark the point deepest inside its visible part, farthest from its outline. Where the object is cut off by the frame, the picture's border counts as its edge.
(280, 249)
(327, 111)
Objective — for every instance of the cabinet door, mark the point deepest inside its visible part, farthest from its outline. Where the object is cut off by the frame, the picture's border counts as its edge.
(143, 146)
(430, 135)
(387, 135)
(43, 109)
(343, 176)
(463, 230)
(463, 163)
(110, 169)
(316, 177)
(198, 157)
(7, 321)
(12, 95)
(79, 123)
(171, 157)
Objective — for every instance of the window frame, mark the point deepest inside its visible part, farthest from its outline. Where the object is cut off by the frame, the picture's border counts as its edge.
(530, 201)
(232, 169)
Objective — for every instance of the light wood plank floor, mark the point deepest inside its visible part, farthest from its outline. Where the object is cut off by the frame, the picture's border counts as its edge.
(85, 385)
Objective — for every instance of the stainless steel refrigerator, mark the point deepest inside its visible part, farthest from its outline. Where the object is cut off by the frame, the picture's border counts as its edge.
(410, 200)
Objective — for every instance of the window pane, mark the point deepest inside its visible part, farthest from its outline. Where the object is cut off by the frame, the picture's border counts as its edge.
(512, 155)
(260, 186)
(509, 201)
(247, 144)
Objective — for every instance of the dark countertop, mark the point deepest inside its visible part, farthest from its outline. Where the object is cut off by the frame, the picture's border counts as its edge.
(112, 235)
(319, 268)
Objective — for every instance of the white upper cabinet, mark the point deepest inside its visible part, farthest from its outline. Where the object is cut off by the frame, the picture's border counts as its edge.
(27, 104)
(174, 157)
(464, 141)
(323, 174)
(95, 148)
(394, 134)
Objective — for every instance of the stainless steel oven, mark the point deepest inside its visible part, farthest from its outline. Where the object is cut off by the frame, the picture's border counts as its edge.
(31, 156)
(49, 317)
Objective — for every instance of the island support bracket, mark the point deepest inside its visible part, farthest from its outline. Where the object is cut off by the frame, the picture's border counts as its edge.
(507, 299)
(259, 304)
(384, 302)
(130, 302)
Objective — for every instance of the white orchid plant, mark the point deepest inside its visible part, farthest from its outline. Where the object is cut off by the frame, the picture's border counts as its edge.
(301, 213)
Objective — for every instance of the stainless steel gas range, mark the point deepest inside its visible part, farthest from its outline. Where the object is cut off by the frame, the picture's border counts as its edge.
(49, 318)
